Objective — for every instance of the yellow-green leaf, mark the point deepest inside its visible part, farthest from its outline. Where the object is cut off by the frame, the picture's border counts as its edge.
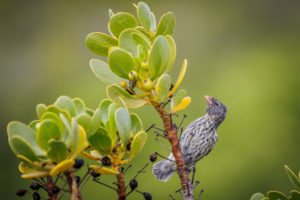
(104, 170)
(62, 167)
(104, 105)
(123, 122)
(166, 24)
(99, 43)
(180, 77)
(35, 175)
(292, 176)
(144, 15)
(40, 109)
(47, 130)
(121, 21)
(23, 148)
(163, 86)
(172, 52)
(182, 105)
(100, 141)
(137, 144)
(136, 123)
(58, 150)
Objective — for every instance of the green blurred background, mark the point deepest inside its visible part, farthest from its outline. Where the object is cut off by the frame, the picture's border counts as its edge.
(246, 53)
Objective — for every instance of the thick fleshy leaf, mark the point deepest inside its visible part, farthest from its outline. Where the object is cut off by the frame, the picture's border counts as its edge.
(58, 150)
(142, 53)
(115, 92)
(163, 86)
(112, 129)
(35, 175)
(276, 195)
(136, 123)
(100, 141)
(139, 39)
(58, 111)
(180, 77)
(85, 120)
(144, 15)
(22, 147)
(166, 24)
(33, 125)
(104, 105)
(54, 117)
(153, 22)
(15, 128)
(143, 31)
(123, 122)
(62, 167)
(172, 52)
(295, 195)
(178, 97)
(79, 137)
(48, 130)
(121, 21)
(79, 105)
(121, 62)
(40, 109)
(96, 122)
(67, 135)
(126, 41)
(137, 144)
(292, 176)
(182, 105)
(64, 102)
(257, 196)
(99, 43)
(104, 170)
(103, 72)
(159, 57)
(27, 168)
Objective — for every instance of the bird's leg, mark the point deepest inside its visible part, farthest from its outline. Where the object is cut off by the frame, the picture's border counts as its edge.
(181, 131)
(162, 145)
(201, 192)
(193, 176)
(183, 118)
(164, 157)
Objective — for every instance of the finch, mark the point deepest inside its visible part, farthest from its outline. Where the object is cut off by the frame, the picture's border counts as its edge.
(197, 140)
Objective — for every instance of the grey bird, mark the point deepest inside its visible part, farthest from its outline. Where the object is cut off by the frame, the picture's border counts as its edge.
(197, 140)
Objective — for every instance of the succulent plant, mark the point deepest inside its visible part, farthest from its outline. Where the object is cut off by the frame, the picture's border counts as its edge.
(138, 56)
(116, 139)
(50, 144)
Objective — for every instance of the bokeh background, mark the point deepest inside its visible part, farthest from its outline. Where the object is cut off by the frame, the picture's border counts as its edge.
(246, 53)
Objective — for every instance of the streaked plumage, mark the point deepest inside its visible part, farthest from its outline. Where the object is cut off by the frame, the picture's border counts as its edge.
(197, 140)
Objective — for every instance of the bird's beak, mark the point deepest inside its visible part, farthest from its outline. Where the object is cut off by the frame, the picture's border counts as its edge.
(208, 99)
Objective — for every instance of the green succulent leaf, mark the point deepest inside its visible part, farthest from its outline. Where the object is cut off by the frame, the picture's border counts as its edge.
(48, 129)
(54, 117)
(15, 128)
(22, 147)
(292, 176)
(295, 195)
(79, 105)
(40, 109)
(85, 120)
(137, 144)
(99, 43)
(139, 39)
(153, 22)
(96, 122)
(33, 125)
(257, 196)
(112, 129)
(166, 24)
(121, 62)
(144, 15)
(58, 150)
(276, 195)
(121, 21)
(136, 123)
(103, 72)
(178, 97)
(163, 87)
(142, 53)
(100, 141)
(159, 57)
(64, 102)
(104, 105)
(143, 31)
(115, 93)
(127, 42)
(123, 122)
(172, 52)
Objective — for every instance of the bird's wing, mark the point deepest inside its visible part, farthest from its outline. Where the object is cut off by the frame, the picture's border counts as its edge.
(189, 133)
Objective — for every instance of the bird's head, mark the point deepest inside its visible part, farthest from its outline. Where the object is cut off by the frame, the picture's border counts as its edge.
(215, 109)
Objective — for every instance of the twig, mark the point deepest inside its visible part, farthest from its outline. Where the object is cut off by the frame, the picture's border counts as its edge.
(196, 184)
(84, 181)
(194, 171)
(166, 103)
(159, 129)
(28, 191)
(97, 181)
(140, 171)
(183, 118)
(162, 145)
(157, 134)
(127, 169)
(164, 157)
(181, 131)
(148, 129)
(171, 197)
(129, 192)
(201, 191)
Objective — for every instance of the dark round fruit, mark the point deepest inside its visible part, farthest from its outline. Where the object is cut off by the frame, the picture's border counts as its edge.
(106, 161)
(56, 190)
(133, 184)
(78, 163)
(147, 196)
(128, 146)
(36, 196)
(21, 192)
(153, 157)
(35, 186)
(77, 179)
(95, 174)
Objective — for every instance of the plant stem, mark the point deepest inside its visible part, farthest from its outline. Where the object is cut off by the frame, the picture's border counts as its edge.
(75, 192)
(50, 186)
(121, 185)
(178, 155)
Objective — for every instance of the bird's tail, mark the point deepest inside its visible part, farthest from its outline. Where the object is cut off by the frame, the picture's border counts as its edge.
(164, 169)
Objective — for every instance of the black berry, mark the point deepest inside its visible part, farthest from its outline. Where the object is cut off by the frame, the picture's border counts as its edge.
(36, 196)
(77, 179)
(153, 157)
(78, 163)
(128, 147)
(106, 161)
(21, 192)
(147, 196)
(95, 174)
(35, 186)
(133, 184)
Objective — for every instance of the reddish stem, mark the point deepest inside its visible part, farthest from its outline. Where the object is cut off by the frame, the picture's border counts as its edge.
(75, 192)
(50, 187)
(121, 185)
